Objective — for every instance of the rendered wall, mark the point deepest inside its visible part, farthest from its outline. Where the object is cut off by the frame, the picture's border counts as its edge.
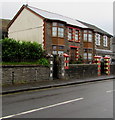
(27, 27)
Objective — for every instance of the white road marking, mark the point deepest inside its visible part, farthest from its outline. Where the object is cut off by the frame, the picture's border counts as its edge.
(42, 108)
(109, 91)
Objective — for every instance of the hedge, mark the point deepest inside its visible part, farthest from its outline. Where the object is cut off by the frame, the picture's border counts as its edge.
(20, 51)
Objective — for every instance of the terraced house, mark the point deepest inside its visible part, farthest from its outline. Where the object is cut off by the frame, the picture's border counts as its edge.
(58, 34)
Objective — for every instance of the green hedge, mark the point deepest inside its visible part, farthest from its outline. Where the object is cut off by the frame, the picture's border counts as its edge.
(20, 51)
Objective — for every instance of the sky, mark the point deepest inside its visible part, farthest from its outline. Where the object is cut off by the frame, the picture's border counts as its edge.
(96, 12)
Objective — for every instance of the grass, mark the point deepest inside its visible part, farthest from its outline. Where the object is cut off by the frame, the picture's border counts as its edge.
(41, 61)
(19, 63)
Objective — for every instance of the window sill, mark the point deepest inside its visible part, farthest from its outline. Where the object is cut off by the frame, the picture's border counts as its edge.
(71, 40)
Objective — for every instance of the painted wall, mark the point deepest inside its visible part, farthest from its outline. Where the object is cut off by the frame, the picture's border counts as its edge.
(27, 27)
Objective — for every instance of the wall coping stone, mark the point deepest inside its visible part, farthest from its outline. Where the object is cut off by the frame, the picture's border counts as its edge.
(12, 66)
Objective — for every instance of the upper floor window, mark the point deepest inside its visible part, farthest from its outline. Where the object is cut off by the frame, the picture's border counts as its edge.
(97, 38)
(73, 34)
(70, 31)
(54, 31)
(90, 37)
(60, 32)
(76, 35)
(87, 36)
(105, 42)
(57, 29)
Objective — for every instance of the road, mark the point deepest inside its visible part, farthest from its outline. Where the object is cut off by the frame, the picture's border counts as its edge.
(89, 100)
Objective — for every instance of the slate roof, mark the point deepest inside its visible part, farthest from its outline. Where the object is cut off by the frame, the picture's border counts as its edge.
(95, 28)
(55, 16)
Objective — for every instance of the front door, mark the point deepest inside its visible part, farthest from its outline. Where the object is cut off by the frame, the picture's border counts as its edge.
(72, 54)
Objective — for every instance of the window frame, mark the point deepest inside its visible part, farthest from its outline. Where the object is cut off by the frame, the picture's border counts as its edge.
(59, 33)
(105, 41)
(73, 34)
(87, 36)
(98, 39)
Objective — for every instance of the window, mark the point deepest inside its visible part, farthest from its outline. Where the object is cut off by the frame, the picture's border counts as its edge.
(76, 35)
(54, 24)
(85, 56)
(90, 37)
(54, 52)
(60, 52)
(105, 42)
(60, 32)
(85, 37)
(57, 29)
(73, 34)
(61, 25)
(61, 47)
(54, 31)
(89, 56)
(54, 47)
(69, 34)
(97, 39)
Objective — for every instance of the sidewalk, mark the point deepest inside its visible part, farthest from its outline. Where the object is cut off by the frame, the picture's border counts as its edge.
(49, 84)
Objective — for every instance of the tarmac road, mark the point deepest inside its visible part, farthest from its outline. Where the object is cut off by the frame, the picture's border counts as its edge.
(89, 100)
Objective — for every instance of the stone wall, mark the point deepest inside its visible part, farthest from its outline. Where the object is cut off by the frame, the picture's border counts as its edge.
(24, 74)
(79, 71)
(112, 69)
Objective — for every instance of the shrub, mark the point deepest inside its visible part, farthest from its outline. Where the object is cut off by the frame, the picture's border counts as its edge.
(16, 51)
(43, 61)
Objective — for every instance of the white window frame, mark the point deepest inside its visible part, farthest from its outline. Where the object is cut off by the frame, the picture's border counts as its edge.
(97, 39)
(89, 56)
(85, 56)
(105, 41)
(90, 37)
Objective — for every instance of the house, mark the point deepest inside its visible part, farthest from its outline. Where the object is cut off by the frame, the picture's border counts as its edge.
(58, 34)
(3, 28)
(113, 48)
(101, 40)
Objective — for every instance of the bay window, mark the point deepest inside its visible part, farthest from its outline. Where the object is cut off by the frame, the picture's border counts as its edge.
(57, 29)
(87, 36)
(54, 31)
(60, 32)
(90, 37)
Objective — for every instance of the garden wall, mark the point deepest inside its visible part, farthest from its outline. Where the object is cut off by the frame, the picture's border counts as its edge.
(24, 74)
(79, 71)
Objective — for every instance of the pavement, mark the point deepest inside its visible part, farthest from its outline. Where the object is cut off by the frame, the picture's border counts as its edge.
(48, 84)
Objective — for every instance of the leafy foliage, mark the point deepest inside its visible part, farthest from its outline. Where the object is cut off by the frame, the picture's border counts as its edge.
(17, 51)
(43, 61)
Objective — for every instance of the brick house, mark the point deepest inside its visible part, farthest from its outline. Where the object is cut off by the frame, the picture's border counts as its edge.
(101, 41)
(57, 34)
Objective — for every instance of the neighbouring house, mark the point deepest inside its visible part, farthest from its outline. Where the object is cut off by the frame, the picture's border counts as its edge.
(113, 48)
(58, 34)
(3, 28)
(101, 42)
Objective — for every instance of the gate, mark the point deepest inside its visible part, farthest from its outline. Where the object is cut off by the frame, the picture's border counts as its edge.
(56, 67)
(102, 67)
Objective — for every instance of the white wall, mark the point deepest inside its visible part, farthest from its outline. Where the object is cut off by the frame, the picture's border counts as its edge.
(27, 27)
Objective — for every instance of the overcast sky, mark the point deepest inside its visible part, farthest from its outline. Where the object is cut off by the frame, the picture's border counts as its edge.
(99, 12)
